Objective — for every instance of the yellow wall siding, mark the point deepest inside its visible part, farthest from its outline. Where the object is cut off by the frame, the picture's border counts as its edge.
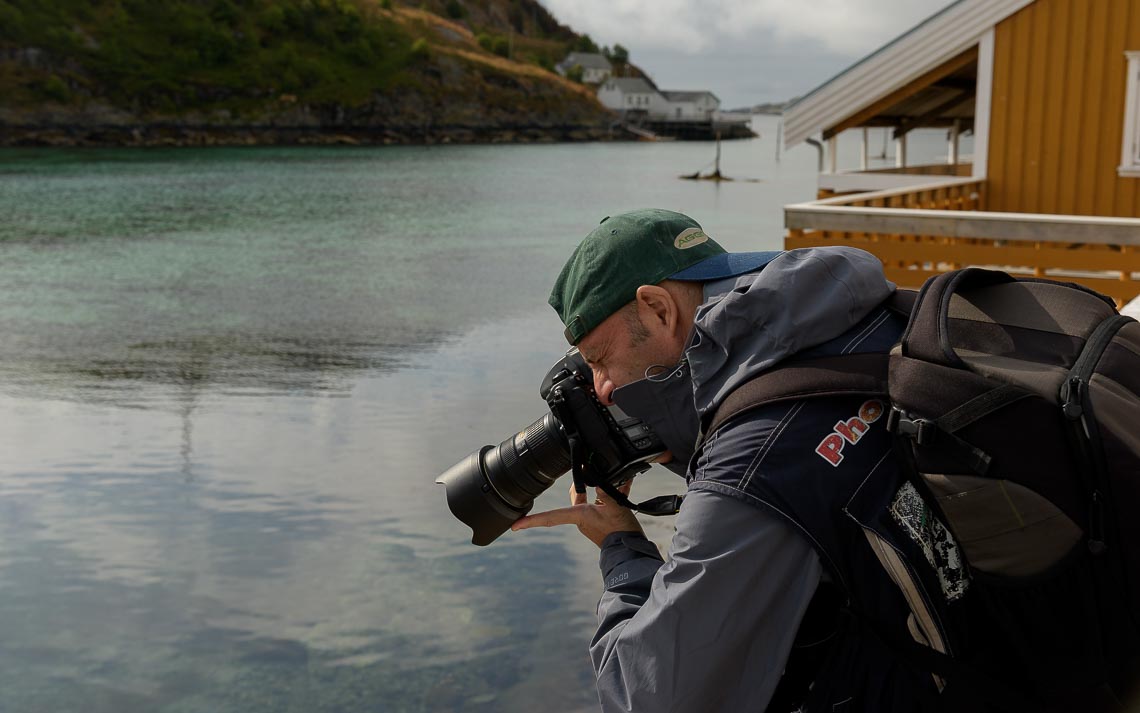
(1057, 114)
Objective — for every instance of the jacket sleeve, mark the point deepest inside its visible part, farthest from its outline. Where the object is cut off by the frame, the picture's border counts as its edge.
(711, 629)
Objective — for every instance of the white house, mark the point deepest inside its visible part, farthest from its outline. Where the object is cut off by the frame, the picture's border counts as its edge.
(690, 106)
(634, 95)
(631, 95)
(595, 67)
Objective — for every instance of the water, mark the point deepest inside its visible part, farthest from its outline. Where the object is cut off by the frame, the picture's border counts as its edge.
(228, 379)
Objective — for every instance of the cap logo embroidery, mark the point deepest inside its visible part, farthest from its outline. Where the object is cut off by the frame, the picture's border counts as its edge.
(690, 237)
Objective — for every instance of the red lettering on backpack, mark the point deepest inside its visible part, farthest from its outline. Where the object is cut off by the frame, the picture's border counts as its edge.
(871, 411)
(851, 431)
(831, 449)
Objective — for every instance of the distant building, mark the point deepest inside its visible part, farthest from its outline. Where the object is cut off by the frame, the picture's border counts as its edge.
(635, 96)
(595, 67)
(691, 106)
(632, 95)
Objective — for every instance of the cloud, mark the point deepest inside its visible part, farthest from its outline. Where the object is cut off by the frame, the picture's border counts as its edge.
(843, 27)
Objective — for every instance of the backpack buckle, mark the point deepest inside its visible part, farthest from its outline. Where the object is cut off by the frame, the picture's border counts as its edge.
(919, 429)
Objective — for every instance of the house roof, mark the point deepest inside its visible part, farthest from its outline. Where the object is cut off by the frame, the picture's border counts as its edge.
(630, 85)
(683, 96)
(586, 60)
(928, 45)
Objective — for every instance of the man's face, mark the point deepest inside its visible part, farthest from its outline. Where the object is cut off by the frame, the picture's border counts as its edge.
(621, 349)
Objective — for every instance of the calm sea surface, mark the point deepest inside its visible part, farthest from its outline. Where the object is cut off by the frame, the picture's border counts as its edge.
(228, 379)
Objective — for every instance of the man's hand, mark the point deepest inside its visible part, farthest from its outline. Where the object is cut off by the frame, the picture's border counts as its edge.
(594, 520)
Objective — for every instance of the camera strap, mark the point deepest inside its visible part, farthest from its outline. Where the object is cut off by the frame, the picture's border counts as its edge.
(661, 505)
(657, 507)
(584, 475)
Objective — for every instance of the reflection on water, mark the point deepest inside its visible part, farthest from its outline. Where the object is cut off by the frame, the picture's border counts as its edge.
(305, 562)
(228, 380)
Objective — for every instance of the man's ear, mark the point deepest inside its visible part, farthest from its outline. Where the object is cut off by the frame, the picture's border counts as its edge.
(657, 308)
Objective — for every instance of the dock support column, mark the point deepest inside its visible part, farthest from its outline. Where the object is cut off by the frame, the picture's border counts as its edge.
(863, 161)
(900, 152)
(832, 157)
(955, 133)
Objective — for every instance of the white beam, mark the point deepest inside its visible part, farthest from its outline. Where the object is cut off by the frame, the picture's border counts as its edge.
(982, 101)
(872, 181)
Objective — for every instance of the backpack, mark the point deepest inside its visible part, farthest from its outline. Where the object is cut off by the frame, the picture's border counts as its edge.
(1015, 409)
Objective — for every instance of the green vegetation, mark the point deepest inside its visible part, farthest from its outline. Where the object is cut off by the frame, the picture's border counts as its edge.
(174, 55)
(234, 63)
(455, 10)
(585, 44)
(420, 49)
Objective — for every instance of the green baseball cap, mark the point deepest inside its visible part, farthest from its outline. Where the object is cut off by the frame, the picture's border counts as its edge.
(623, 253)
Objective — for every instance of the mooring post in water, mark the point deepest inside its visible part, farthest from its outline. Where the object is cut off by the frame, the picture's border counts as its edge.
(779, 137)
(717, 171)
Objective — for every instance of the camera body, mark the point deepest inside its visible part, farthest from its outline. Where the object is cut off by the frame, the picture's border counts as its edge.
(496, 485)
(616, 447)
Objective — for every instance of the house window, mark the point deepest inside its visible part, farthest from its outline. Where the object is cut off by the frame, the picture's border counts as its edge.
(1130, 151)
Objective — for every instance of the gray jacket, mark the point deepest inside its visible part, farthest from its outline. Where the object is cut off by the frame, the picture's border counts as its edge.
(712, 628)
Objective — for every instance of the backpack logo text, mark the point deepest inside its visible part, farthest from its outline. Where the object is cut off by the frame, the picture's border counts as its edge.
(849, 431)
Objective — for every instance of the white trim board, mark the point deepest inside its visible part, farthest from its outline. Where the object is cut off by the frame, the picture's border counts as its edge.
(935, 41)
(983, 100)
(863, 182)
(1130, 145)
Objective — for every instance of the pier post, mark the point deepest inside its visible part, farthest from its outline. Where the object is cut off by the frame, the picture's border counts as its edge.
(955, 133)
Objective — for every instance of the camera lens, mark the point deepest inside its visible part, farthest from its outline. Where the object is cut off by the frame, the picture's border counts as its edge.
(493, 487)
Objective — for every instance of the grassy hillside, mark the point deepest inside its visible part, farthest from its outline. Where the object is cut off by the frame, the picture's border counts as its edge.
(312, 63)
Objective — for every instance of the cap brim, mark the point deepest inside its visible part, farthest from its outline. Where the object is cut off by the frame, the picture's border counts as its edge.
(718, 267)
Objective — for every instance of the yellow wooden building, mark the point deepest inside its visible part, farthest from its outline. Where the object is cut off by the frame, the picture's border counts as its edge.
(1049, 91)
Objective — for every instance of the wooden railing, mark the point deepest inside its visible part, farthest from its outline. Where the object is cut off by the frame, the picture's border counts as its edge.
(928, 169)
(884, 179)
(920, 231)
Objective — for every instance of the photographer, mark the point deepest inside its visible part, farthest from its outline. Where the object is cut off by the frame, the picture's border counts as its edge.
(745, 615)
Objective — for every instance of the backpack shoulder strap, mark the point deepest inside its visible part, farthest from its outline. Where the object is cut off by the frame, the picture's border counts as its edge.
(840, 375)
(902, 302)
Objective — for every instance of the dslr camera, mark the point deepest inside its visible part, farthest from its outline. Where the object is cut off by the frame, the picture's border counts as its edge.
(496, 485)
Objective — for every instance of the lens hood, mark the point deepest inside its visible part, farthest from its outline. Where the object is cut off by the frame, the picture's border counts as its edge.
(473, 500)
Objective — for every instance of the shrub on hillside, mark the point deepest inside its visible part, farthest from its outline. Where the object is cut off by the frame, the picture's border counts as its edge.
(57, 89)
(455, 9)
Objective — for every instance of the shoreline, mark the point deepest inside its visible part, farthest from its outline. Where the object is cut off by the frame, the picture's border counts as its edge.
(174, 135)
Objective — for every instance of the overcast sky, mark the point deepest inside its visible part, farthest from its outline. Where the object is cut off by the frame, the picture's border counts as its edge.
(744, 51)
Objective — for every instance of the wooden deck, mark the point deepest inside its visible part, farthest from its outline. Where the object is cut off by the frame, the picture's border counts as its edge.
(921, 231)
